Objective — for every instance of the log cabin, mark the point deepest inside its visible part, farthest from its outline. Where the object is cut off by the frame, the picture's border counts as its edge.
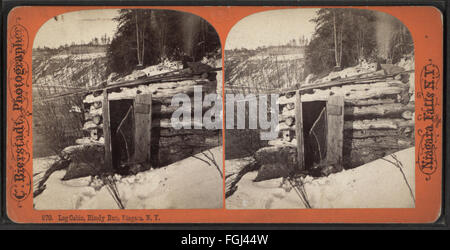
(346, 123)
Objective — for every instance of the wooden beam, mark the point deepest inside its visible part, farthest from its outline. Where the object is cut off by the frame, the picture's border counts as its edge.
(299, 131)
(107, 132)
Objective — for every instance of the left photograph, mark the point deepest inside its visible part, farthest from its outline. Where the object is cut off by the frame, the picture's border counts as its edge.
(127, 111)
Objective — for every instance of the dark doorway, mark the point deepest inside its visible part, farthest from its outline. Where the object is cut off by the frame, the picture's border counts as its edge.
(314, 133)
(122, 133)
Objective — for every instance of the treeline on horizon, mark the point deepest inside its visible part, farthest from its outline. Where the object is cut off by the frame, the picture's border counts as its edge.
(293, 43)
(101, 41)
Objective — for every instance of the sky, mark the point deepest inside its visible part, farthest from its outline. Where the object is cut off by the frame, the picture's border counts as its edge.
(273, 27)
(77, 27)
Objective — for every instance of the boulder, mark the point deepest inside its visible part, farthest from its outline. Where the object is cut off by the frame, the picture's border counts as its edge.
(85, 160)
(81, 169)
(276, 154)
(276, 161)
(78, 151)
(273, 170)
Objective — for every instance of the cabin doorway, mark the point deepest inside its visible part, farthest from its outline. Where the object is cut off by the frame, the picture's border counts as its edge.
(314, 132)
(129, 127)
(122, 133)
(323, 131)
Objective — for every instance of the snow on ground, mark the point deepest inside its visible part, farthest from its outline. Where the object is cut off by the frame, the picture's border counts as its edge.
(86, 56)
(378, 184)
(187, 184)
(40, 165)
(287, 57)
(164, 67)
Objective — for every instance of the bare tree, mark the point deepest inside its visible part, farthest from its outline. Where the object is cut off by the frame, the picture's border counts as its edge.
(140, 38)
(337, 35)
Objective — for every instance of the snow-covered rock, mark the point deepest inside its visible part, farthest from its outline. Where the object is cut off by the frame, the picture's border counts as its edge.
(275, 161)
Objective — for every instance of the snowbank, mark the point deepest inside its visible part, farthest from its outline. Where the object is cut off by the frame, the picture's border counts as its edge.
(187, 184)
(378, 184)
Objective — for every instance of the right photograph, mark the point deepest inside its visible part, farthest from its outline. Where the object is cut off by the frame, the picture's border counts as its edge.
(319, 110)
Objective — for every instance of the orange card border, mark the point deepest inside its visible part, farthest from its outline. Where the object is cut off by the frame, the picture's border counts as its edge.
(426, 26)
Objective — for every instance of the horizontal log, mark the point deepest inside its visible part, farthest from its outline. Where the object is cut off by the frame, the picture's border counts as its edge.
(290, 94)
(158, 90)
(378, 110)
(171, 132)
(357, 91)
(359, 156)
(381, 143)
(284, 126)
(381, 110)
(368, 102)
(361, 134)
(166, 123)
(283, 100)
(95, 111)
(285, 114)
(187, 142)
(89, 125)
(378, 124)
(351, 92)
(167, 110)
(159, 95)
(281, 142)
(408, 115)
(90, 115)
(89, 141)
(145, 87)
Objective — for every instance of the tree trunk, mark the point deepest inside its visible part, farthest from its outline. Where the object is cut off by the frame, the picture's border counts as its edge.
(335, 39)
(143, 45)
(137, 38)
